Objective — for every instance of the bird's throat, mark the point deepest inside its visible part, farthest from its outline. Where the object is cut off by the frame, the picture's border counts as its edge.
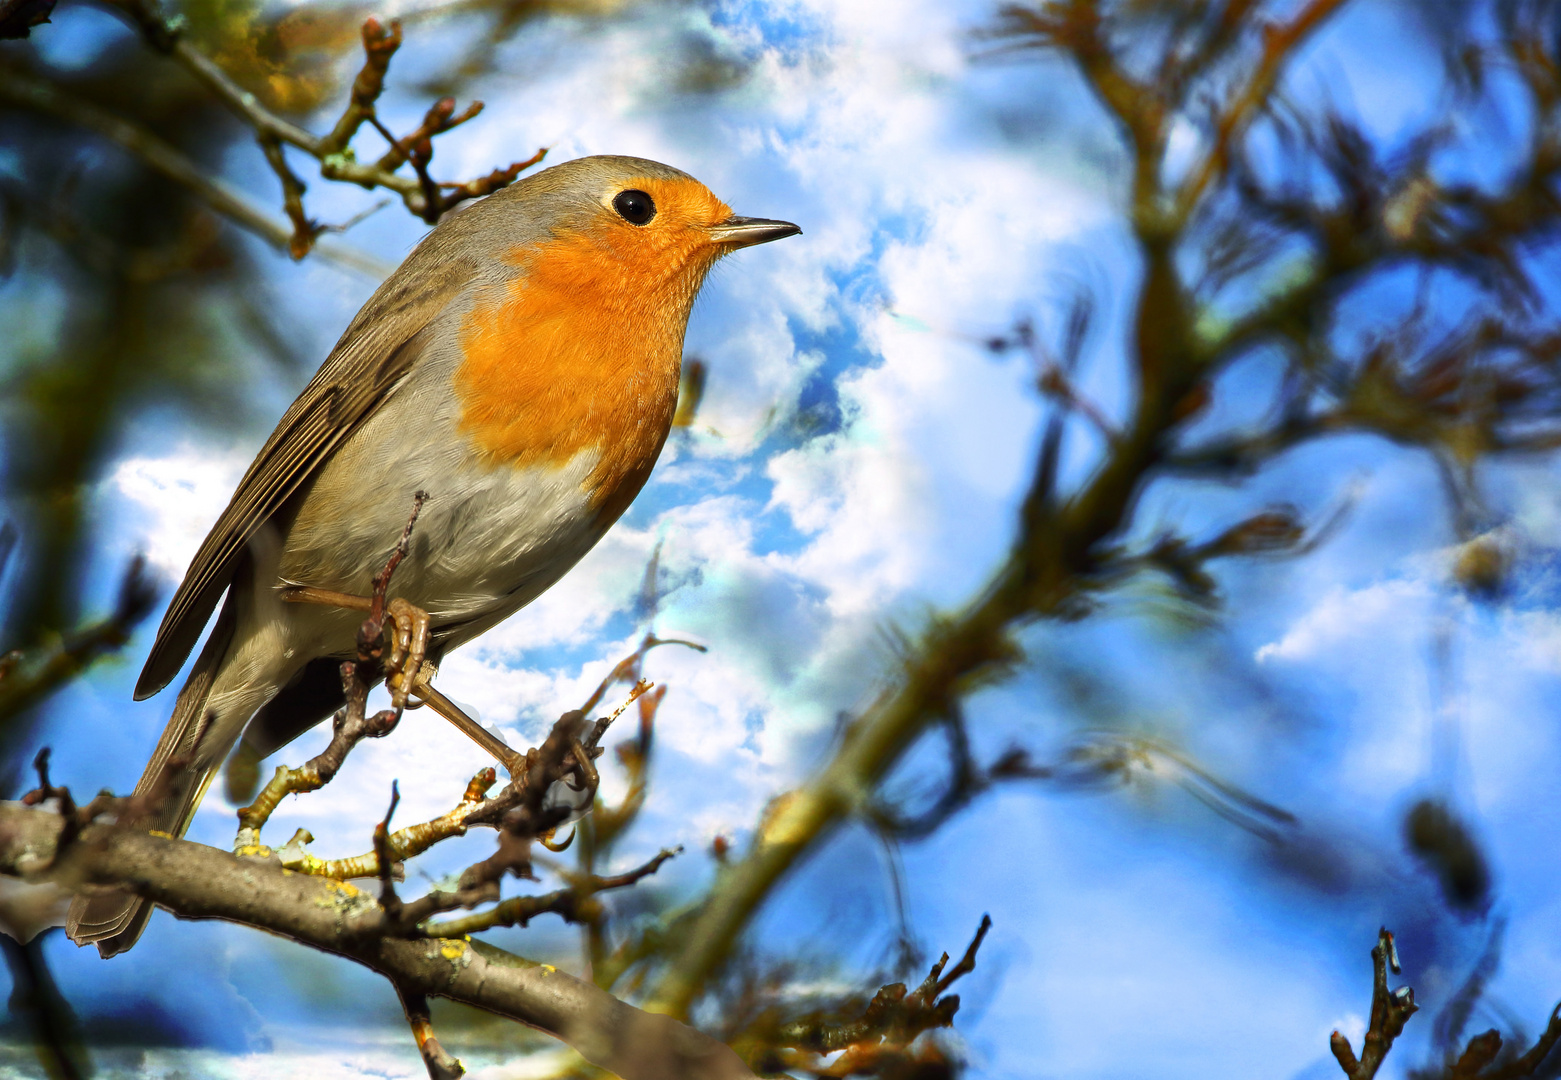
(578, 354)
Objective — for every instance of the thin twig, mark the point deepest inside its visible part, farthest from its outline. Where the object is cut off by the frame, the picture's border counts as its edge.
(571, 903)
(1390, 1011)
(27, 676)
(403, 844)
(420, 192)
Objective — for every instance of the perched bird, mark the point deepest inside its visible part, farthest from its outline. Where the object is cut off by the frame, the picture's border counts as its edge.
(520, 368)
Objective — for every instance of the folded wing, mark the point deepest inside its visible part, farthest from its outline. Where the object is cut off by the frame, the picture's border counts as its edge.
(377, 350)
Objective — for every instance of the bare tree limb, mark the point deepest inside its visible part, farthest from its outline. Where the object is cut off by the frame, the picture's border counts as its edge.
(198, 882)
(27, 676)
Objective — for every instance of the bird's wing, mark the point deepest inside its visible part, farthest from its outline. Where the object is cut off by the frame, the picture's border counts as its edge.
(380, 346)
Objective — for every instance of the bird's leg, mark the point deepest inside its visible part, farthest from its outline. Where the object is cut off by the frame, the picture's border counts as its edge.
(308, 594)
(410, 676)
(514, 763)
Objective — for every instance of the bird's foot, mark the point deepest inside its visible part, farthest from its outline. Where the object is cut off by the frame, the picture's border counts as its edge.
(408, 649)
(409, 675)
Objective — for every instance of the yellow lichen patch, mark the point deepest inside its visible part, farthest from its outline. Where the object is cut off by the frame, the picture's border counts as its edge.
(451, 949)
(160, 834)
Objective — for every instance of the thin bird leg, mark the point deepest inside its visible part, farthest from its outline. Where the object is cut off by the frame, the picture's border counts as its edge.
(408, 631)
(308, 594)
(513, 763)
(409, 646)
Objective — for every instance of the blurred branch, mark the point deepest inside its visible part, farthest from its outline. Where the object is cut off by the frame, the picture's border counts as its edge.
(1479, 1060)
(1483, 1057)
(37, 1001)
(1279, 44)
(1480, 389)
(27, 676)
(879, 1040)
(571, 904)
(424, 197)
(43, 96)
(1094, 763)
(441, 1066)
(199, 882)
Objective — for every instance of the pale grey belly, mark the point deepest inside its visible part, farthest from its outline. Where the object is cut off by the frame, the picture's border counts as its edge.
(488, 541)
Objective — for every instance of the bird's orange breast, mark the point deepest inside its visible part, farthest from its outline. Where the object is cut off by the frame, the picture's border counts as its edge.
(580, 352)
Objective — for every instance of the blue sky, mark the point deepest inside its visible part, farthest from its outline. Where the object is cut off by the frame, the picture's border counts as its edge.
(850, 471)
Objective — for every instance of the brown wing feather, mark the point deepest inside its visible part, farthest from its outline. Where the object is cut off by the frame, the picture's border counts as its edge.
(375, 352)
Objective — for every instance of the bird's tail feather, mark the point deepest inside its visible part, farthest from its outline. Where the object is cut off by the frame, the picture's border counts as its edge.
(113, 921)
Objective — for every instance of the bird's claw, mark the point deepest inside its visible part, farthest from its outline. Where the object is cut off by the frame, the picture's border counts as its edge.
(408, 649)
(409, 675)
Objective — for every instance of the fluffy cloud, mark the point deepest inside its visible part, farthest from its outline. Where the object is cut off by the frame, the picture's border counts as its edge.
(174, 499)
(1358, 617)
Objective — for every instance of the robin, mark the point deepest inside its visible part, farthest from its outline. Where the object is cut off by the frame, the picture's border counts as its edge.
(520, 368)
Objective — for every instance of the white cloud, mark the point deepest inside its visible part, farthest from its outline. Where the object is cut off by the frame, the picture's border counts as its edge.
(1532, 640)
(1344, 616)
(176, 499)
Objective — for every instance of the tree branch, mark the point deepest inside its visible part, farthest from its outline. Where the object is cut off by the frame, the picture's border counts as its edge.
(198, 882)
(570, 904)
(1279, 44)
(27, 676)
(1390, 1011)
(42, 96)
(420, 193)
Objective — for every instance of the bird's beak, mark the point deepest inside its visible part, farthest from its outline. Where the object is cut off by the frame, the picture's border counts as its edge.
(739, 232)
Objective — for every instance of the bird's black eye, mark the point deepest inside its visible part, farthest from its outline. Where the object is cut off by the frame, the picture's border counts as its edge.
(635, 206)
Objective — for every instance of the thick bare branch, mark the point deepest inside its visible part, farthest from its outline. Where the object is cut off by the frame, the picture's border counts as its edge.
(199, 882)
